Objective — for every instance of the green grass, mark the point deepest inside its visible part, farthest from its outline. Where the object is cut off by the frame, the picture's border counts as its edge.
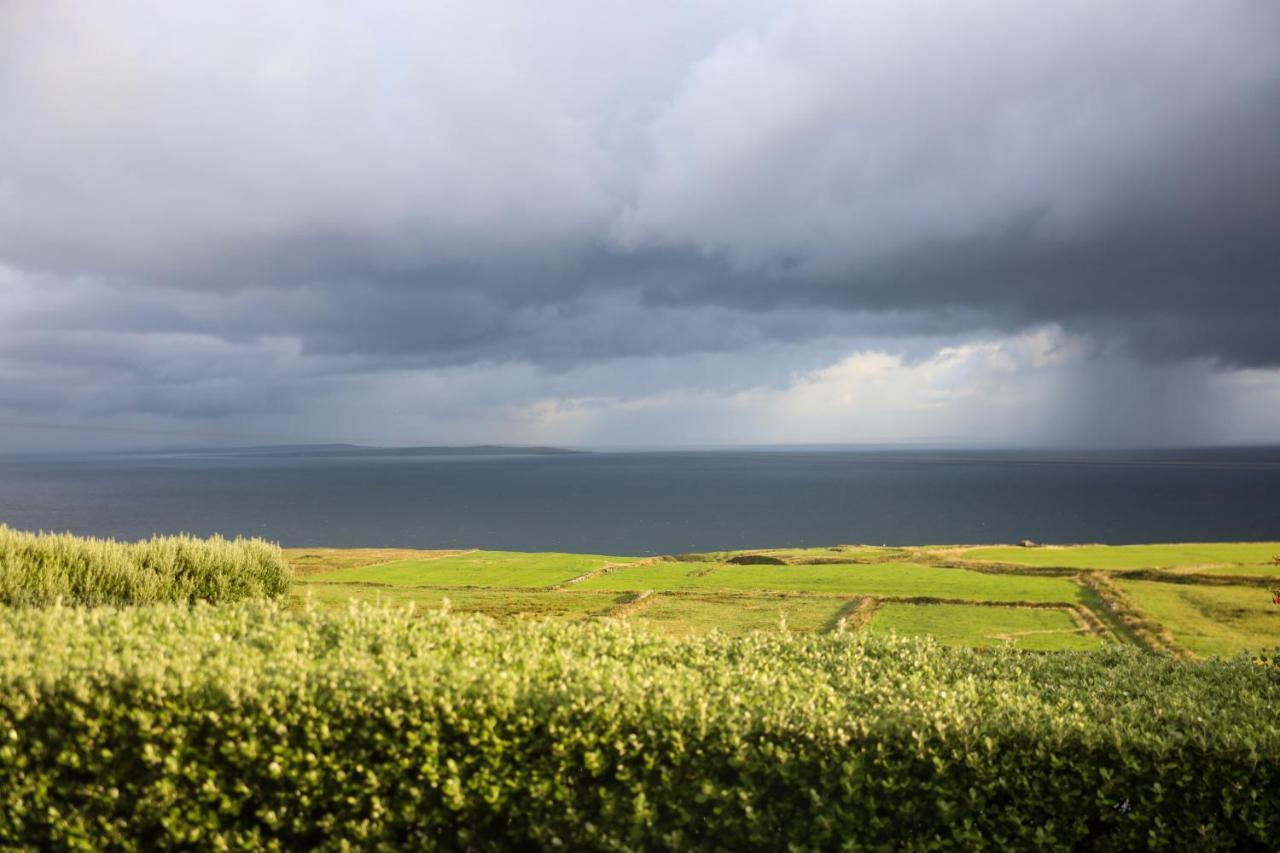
(1029, 628)
(675, 615)
(846, 552)
(1210, 620)
(314, 561)
(1130, 556)
(1267, 570)
(887, 579)
(658, 576)
(683, 615)
(477, 568)
(42, 569)
(1204, 619)
(499, 604)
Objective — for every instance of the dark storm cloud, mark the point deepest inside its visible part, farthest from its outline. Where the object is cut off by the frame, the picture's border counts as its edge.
(203, 206)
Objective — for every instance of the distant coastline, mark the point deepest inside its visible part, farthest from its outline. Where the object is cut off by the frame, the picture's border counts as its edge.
(328, 451)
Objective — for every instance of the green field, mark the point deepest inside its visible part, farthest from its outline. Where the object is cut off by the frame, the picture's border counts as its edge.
(852, 553)
(477, 568)
(682, 615)
(1191, 554)
(498, 603)
(915, 591)
(1038, 629)
(1265, 570)
(1210, 620)
(885, 579)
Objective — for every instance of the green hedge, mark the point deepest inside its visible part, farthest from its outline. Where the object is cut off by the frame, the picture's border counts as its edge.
(251, 726)
(40, 569)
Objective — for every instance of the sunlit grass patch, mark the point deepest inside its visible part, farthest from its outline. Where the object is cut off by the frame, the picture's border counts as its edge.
(658, 576)
(1039, 629)
(500, 604)
(682, 615)
(891, 579)
(1210, 620)
(313, 561)
(1129, 556)
(479, 568)
(831, 553)
(1266, 570)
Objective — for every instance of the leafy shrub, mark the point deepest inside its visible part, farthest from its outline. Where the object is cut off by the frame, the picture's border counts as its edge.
(251, 726)
(38, 569)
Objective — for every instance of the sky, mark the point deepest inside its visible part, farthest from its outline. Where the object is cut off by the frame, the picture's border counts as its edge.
(598, 223)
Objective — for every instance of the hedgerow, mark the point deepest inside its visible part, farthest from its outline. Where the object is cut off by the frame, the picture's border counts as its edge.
(252, 726)
(39, 569)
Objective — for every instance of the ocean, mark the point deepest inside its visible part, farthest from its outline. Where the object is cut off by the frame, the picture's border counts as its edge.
(655, 502)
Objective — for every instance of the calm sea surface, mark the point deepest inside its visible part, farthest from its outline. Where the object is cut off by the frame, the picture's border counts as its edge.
(645, 503)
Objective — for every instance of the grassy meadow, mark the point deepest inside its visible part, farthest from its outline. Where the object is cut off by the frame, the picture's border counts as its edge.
(687, 614)
(1036, 629)
(1210, 620)
(1201, 555)
(883, 579)
(1192, 600)
(476, 568)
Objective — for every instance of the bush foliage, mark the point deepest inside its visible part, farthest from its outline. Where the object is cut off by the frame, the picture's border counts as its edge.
(248, 725)
(39, 569)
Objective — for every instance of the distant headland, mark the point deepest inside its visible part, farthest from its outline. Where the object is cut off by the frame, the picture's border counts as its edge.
(276, 451)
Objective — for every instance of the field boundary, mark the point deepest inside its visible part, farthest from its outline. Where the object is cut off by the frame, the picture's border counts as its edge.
(855, 615)
(641, 601)
(606, 569)
(1089, 622)
(988, 568)
(1144, 630)
(1193, 579)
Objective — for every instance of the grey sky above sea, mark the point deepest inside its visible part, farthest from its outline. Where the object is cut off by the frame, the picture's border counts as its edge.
(594, 223)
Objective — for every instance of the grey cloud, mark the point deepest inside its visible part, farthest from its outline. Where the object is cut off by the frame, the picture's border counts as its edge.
(333, 192)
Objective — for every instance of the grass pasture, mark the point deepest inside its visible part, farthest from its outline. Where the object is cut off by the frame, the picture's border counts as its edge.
(1210, 620)
(1263, 570)
(1033, 628)
(1116, 557)
(834, 553)
(315, 561)
(477, 568)
(689, 614)
(886, 579)
(497, 603)
(922, 598)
